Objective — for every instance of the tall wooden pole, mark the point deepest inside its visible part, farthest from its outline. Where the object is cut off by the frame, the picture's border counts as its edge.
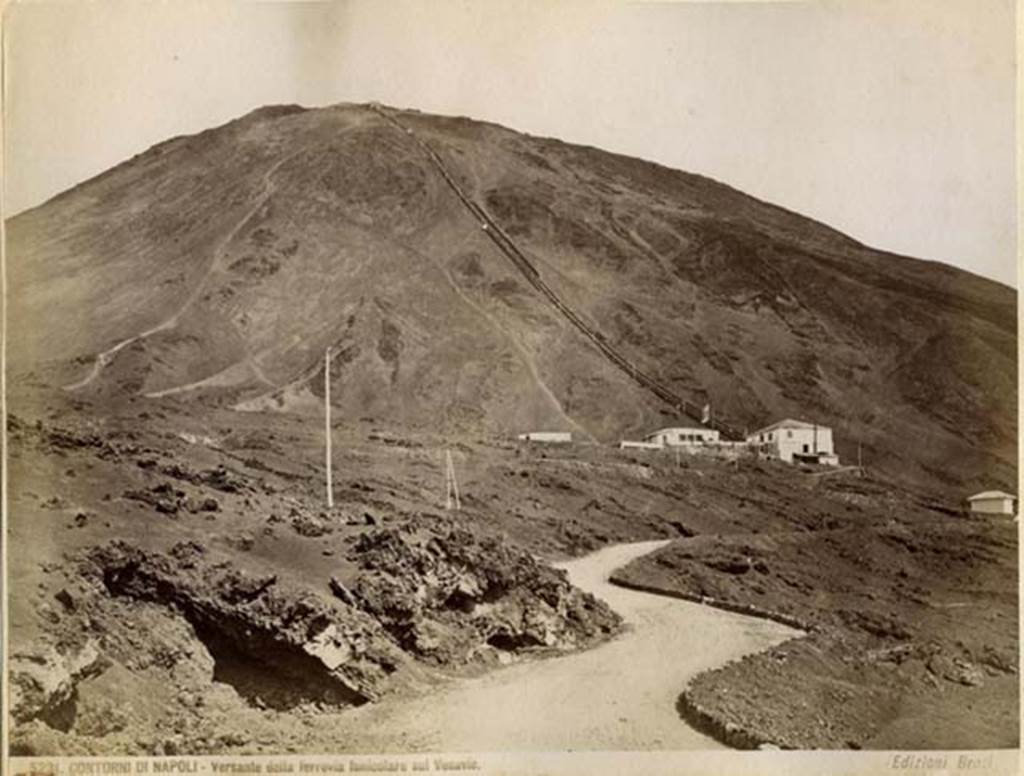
(451, 485)
(447, 482)
(455, 482)
(327, 424)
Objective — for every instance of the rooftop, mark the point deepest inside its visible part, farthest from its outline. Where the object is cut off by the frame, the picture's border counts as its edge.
(694, 427)
(986, 494)
(789, 423)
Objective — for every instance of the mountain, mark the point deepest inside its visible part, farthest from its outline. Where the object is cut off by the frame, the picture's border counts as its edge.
(469, 277)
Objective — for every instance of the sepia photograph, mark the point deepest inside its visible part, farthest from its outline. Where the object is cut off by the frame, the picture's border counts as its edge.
(565, 386)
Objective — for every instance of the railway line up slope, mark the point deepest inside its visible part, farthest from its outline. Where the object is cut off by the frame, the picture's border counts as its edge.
(513, 253)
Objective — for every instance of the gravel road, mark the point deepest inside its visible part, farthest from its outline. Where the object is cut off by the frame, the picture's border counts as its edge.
(621, 695)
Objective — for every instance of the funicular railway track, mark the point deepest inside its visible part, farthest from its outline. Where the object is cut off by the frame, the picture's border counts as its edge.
(512, 252)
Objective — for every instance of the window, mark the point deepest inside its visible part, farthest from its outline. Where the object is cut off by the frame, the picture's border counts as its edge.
(789, 435)
(807, 448)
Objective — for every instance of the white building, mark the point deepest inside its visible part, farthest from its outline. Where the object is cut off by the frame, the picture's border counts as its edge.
(795, 440)
(625, 444)
(549, 437)
(992, 502)
(683, 436)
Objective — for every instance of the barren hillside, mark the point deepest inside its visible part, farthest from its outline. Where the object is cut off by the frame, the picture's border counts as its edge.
(221, 265)
(178, 585)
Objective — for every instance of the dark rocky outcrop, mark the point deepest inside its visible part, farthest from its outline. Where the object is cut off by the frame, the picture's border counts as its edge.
(447, 599)
(331, 651)
(443, 597)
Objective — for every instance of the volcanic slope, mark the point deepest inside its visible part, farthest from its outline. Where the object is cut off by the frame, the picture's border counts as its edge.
(221, 265)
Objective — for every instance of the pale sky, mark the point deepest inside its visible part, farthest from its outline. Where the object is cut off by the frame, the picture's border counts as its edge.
(891, 120)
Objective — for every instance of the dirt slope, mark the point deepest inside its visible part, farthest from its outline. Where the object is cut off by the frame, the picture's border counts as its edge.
(223, 264)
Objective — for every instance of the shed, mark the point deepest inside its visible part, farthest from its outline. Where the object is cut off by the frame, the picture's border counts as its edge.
(549, 437)
(992, 502)
(625, 444)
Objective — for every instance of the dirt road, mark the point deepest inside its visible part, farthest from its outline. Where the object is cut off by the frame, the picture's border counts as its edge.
(621, 695)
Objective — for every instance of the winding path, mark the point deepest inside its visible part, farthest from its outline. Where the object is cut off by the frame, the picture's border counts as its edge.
(104, 358)
(621, 695)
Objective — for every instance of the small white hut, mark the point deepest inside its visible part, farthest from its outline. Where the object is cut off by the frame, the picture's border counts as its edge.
(992, 502)
(547, 437)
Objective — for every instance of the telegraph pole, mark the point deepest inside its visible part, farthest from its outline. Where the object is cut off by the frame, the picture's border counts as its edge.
(451, 485)
(327, 424)
(447, 483)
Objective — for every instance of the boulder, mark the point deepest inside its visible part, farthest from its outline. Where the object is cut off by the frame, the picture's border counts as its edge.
(956, 669)
(45, 678)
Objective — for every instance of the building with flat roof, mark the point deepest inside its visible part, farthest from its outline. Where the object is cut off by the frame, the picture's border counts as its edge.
(992, 502)
(549, 437)
(682, 436)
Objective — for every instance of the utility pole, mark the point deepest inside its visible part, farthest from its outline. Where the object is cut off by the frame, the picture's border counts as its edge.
(327, 424)
(451, 486)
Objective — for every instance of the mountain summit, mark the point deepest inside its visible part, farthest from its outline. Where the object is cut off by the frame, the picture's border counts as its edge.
(469, 277)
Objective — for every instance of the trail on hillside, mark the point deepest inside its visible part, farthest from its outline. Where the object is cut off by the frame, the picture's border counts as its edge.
(621, 695)
(107, 356)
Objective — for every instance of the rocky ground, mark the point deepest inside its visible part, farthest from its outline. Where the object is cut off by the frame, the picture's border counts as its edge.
(171, 573)
(913, 630)
(177, 584)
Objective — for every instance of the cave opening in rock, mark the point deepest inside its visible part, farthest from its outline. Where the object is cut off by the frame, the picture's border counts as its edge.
(512, 642)
(262, 666)
(62, 716)
(280, 678)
